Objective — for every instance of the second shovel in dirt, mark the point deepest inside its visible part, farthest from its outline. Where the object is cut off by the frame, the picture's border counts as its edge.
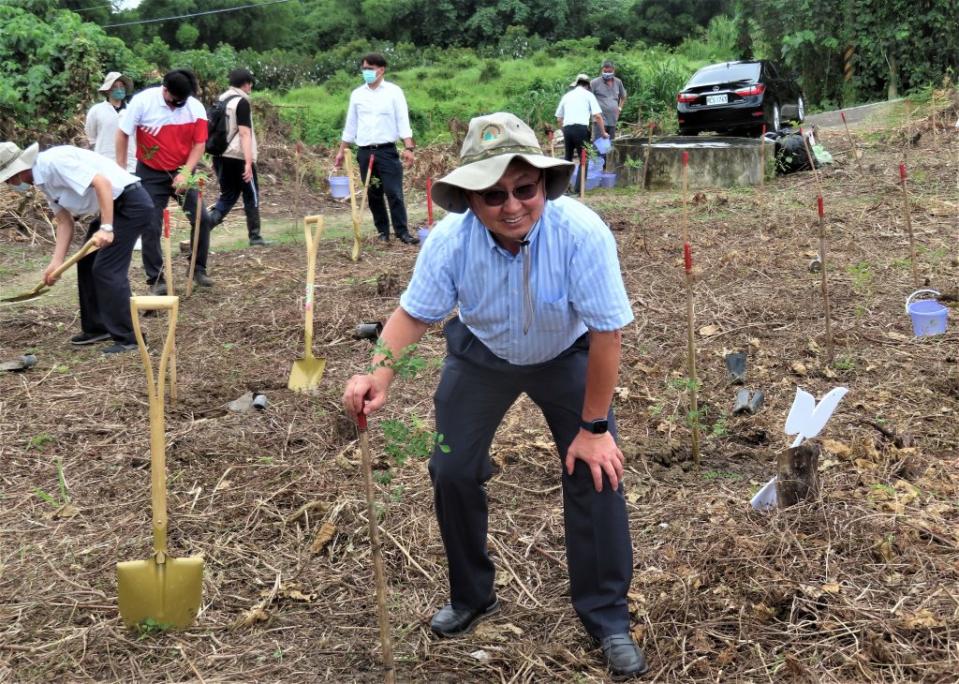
(307, 372)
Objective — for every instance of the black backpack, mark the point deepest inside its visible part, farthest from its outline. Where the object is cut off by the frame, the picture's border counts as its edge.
(218, 126)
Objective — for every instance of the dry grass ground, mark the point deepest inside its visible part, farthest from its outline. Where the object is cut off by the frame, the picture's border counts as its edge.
(860, 585)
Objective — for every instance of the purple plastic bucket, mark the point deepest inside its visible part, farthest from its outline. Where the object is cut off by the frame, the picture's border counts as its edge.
(607, 180)
(928, 315)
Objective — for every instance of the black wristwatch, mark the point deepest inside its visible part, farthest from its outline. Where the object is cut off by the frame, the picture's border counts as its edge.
(597, 427)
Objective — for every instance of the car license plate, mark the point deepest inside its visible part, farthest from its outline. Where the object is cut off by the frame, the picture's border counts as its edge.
(717, 99)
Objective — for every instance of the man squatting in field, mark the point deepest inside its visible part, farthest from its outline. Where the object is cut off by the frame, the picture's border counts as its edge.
(541, 302)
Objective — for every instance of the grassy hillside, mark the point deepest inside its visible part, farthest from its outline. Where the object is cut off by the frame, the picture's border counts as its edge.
(465, 85)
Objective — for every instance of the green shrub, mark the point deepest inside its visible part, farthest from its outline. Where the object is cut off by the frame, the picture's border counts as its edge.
(490, 71)
(50, 67)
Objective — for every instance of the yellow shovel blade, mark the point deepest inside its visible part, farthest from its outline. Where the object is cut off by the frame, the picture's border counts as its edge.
(306, 374)
(168, 593)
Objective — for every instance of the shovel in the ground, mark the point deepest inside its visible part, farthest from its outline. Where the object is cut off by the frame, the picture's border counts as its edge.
(354, 214)
(306, 372)
(42, 288)
(163, 590)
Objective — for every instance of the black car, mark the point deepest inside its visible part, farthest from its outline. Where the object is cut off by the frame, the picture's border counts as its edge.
(739, 96)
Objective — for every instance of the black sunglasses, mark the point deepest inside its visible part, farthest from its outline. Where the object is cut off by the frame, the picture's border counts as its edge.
(497, 198)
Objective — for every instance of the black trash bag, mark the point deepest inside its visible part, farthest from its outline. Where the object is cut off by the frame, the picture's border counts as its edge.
(790, 152)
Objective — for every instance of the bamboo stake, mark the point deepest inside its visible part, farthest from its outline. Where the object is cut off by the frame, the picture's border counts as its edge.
(690, 317)
(852, 144)
(582, 173)
(824, 282)
(386, 639)
(908, 215)
(762, 181)
(429, 203)
(552, 143)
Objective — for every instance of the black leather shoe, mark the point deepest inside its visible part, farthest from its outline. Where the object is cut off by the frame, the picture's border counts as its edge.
(257, 241)
(383, 238)
(158, 288)
(449, 621)
(408, 239)
(623, 657)
(202, 279)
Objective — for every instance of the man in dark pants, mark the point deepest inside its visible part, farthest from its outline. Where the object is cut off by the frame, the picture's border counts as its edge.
(236, 167)
(376, 117)
(535, 278)
(170, 130)
(576, 109)
(80, 182)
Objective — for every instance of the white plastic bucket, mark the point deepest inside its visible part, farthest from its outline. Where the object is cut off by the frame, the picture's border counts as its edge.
(340, 186)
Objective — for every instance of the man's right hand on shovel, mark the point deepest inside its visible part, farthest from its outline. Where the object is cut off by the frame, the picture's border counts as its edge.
(48, 277)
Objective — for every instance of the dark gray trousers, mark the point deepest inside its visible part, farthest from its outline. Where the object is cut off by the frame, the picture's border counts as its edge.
(475, 391)
(159, 185)
(102, 277)
(388, 170)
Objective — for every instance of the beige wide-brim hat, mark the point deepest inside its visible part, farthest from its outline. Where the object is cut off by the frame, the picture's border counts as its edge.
(111, 78)
(13, 160)
(491, 143)
(580, 77)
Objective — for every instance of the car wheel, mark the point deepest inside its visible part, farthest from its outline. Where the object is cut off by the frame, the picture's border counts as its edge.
(775, 119)
(800, 110)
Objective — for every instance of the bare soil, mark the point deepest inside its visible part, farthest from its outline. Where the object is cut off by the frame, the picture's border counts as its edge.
(860, 585)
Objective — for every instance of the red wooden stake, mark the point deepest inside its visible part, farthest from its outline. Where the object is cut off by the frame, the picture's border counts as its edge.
(166, 223)
(690, 318)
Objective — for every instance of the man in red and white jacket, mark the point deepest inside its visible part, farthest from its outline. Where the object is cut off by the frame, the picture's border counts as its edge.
(171, 129)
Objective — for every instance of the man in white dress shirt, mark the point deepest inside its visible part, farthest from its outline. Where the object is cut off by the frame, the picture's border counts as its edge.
(77, 182)
(576, 109)
(376, 118)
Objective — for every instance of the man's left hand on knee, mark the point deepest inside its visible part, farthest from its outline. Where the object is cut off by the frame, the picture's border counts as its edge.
(601, 454)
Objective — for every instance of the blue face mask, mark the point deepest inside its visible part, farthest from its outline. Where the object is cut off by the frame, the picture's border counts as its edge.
(369, 75)
(118, 93)
(22, 187)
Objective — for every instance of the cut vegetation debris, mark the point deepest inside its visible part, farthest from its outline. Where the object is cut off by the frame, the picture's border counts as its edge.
(857, 586)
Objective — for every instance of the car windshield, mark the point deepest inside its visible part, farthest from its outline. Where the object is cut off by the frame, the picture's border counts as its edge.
(725, 73)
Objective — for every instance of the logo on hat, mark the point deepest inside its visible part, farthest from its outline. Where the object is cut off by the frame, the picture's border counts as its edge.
(491, 134)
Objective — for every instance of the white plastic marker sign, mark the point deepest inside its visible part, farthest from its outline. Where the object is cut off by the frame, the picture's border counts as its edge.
(806, 419)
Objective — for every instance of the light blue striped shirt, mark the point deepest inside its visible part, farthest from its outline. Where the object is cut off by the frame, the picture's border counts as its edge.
(575, 280)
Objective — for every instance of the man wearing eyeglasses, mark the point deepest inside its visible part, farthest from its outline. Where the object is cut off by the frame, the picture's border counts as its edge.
(541, 302)
(169, 129)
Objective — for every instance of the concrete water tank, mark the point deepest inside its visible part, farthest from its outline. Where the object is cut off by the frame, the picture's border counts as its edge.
(713, 162)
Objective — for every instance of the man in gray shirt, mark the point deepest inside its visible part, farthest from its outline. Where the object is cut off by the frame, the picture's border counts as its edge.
(611, 94)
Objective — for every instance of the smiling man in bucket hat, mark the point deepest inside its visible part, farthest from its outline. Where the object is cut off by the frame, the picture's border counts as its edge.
(541, 302)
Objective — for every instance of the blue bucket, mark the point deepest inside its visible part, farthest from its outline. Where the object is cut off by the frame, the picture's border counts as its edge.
(602, 145)
(928, 315)
(422, 234)
(607, 180)
(340, 186)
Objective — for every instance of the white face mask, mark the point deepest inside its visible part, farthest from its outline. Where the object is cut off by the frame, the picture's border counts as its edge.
(22, 187)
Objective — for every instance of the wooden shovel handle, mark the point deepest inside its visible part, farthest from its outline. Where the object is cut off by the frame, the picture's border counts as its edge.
(312, 245)
(155, 390)
(197, 215)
